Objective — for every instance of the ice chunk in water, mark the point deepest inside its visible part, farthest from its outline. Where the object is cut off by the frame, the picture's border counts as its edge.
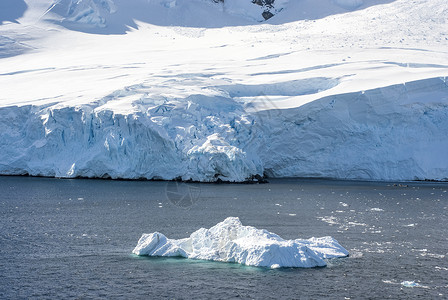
(410, 284)
(230, 241)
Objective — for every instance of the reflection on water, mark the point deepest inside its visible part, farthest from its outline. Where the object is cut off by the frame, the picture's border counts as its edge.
(73, 238)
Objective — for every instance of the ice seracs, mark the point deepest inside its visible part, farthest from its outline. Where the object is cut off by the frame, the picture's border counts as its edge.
(230, 241)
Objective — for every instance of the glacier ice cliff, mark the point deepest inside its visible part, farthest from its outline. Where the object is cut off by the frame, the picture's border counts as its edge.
(230, 241)
(392, 133)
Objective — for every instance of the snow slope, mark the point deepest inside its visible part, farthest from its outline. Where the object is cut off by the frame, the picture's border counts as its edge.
(121, 93)
(230, 241)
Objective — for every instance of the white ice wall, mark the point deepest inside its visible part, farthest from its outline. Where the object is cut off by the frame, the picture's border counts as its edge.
(392, 133)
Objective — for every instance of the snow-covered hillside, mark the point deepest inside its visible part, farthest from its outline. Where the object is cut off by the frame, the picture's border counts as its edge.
(199, 89)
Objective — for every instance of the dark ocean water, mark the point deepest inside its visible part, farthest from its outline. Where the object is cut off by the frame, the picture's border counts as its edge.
(64, 239)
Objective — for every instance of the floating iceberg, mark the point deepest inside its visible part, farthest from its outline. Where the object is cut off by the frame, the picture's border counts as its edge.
(230, 241)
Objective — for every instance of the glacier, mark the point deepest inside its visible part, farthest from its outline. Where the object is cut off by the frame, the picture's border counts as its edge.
(202, 91)
(230, 241)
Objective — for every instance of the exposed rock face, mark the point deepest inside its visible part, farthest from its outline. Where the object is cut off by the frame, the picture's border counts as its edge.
(267, 15)
(264, 2)
(268, 7)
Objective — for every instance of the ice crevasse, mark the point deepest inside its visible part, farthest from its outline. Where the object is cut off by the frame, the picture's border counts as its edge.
(230, 241)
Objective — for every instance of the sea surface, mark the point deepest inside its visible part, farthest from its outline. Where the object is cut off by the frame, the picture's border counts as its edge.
(64, 238)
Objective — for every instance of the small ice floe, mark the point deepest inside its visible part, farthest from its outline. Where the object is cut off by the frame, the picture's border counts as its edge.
(356, 254)
(329, 220)
(230, 241)
(434, 255)
(376, 209)
(410, 284)
(425, 252)
(343, 204)
(356, 224)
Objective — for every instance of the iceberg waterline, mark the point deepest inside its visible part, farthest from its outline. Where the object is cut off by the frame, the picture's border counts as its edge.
(391, 133)
(230, 241)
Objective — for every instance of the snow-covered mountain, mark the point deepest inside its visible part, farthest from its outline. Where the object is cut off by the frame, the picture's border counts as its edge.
(207, 90)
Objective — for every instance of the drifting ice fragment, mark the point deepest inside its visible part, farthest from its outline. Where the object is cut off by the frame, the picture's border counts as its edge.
(230, 241)
(376, 209)
(410, 284)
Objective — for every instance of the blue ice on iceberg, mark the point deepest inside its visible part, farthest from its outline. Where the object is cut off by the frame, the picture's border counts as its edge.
(410, 284)
(230, 241)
